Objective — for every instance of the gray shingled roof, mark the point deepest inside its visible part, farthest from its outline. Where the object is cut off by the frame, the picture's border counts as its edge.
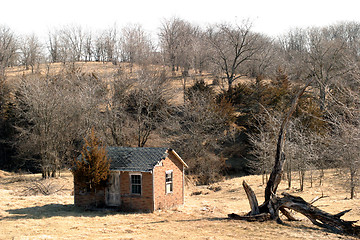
(139, 159)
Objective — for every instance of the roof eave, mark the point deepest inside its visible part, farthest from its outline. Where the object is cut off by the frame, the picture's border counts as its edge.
(178, 157)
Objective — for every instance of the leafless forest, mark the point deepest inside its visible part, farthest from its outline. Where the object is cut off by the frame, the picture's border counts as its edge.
(235, 86)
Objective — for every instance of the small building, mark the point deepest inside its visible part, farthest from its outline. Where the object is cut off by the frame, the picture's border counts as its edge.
(145, 179)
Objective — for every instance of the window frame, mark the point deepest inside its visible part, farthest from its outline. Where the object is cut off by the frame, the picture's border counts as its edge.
(170, 183)
(135, 184)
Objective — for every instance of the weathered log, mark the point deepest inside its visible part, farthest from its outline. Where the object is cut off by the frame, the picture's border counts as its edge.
(255, 209)
(287, 214)
(316, 215)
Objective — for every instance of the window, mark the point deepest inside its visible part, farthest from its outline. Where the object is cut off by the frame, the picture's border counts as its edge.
(135, 184)
(169, 181)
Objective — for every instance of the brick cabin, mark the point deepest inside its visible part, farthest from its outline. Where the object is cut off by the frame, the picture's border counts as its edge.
(145, 179)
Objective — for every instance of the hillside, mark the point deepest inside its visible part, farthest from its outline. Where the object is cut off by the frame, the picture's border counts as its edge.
(204, 216)
(107, 71)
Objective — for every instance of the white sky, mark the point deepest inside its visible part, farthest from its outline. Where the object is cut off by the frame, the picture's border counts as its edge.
(272, 17)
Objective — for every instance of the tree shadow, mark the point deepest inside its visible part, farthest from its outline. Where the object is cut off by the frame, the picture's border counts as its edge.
(305, 226)
(204, 219)
(192, 220)
(56, 210)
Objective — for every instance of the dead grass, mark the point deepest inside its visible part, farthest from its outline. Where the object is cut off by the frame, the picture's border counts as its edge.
(4, 174)
(204, 216)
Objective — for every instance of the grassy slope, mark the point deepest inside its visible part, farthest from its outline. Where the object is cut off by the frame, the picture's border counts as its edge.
(107, 70)
(202, 217)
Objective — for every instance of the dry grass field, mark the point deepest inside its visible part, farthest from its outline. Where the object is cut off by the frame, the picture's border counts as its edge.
(24, 215)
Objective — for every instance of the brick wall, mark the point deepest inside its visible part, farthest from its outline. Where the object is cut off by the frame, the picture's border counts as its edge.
(82, 198)
(163, 199)
(142, 202)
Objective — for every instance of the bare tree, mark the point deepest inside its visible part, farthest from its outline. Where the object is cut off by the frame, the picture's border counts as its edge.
(200, 51)
(198, 129)
(117, 120)
(348, 32)
(54, 46)
(136, 46)
(327, 61)
(8, 49)
(231, 47)
(292, 48)
(264, 60)
(72, 41)
(188, 34)
(304, 150)
(176, 41)
(263, 143)
(106, 47)
(88, 46)
(147, 105)
(99, 48)
(344, 117)
(54, 113)
(31, 52)
(313, 53)
(347, 145)
(110, 38)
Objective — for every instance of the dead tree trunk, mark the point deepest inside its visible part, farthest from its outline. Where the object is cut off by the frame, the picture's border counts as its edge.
(276, 174)
(273, 204)
(252, 199)
(317, 216)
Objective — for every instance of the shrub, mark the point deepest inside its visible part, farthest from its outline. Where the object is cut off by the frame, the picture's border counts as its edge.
(92, 168)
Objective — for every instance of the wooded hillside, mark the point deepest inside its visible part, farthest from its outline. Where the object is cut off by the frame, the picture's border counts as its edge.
(216, 95)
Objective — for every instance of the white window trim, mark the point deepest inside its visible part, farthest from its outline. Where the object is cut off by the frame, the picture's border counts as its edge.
(172, 181)
(141, 188)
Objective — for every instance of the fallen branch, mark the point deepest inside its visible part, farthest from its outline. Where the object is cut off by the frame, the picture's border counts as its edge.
(317, 216)
(317, 198)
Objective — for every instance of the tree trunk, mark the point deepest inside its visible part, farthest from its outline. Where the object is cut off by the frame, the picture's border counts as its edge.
(252, 199)
(184, 85)
(321, 176)
(322, 97)
(352, 183)
(263, 177)
(301, 178)
(288, 170)
(276, 174)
